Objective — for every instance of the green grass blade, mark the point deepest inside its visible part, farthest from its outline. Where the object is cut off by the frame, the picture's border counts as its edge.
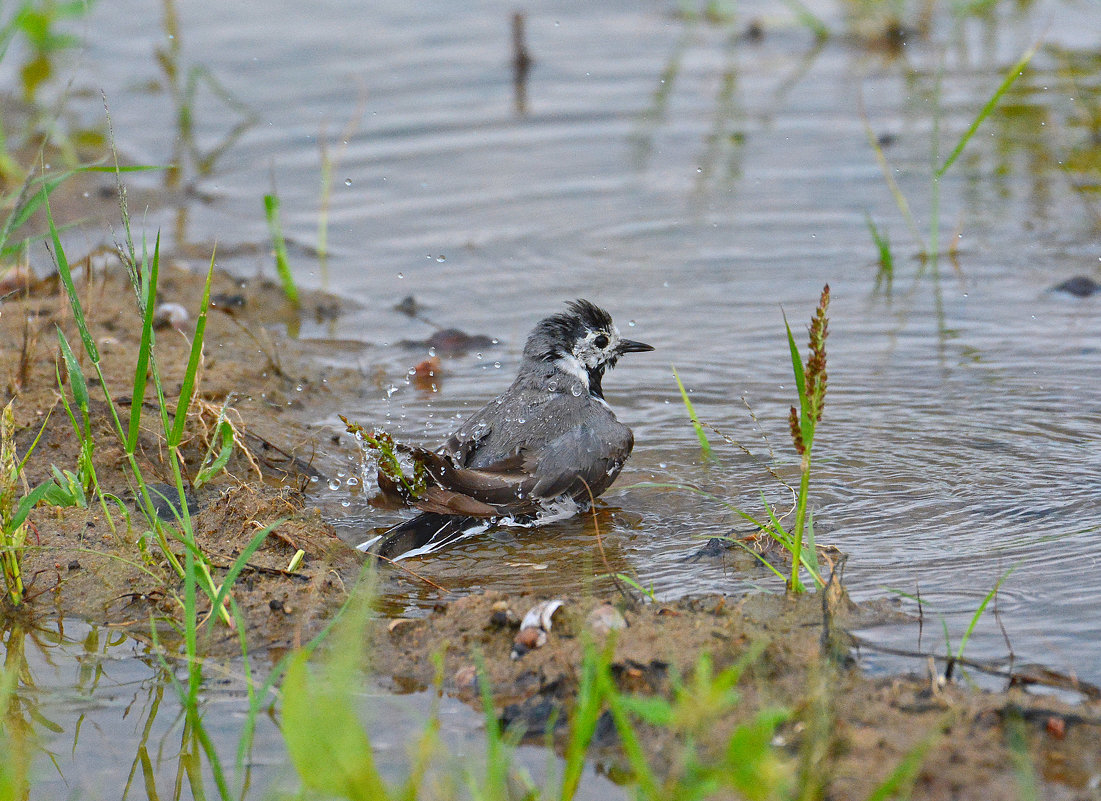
(20, 213)
(697, 491)
(809, 546)
(187, 389)
(583, 722)
(753, 766)
(892, 185)
(705, 446)
(326, 742)
(27, 503)
(66, 276)
(628, 738)
(883, 247)
(1014, 73)
(759, 557)
(1017, 742)
(141, 370)
(808, 19)
(271, 212)
(222, 459)
(776, 529)
(786, 539)
(982, 607)
(800, 380)
(76, 375)
(241, 561)
(900, 781)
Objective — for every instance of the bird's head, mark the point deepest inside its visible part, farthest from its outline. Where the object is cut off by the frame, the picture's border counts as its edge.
(582, 342)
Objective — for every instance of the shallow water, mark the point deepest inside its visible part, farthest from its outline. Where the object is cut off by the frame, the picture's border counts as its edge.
(102, 708)
(695, 182)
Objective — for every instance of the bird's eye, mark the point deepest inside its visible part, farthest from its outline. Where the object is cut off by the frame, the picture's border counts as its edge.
(601, 341)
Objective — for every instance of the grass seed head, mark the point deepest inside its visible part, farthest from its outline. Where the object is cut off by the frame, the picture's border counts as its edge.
(796, 432)
(816, 375)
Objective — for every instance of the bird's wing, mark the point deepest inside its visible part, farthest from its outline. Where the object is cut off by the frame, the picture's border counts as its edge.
(463, 444)
(503, 487)
(580, 454)
(441, 501)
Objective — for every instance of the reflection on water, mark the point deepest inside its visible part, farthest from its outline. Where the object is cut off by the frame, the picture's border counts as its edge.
(100, 713)
(694, 176)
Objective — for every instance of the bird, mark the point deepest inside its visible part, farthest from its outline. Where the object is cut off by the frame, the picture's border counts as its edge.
(549, 444)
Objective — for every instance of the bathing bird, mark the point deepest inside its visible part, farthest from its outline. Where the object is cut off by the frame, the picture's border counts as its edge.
(546, 445)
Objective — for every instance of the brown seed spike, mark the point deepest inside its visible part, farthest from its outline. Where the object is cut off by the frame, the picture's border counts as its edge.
(796, 432)
(815, 369)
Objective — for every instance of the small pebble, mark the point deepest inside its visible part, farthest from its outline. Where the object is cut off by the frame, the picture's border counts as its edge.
(170, 314)
(275, 605)
(605, 618)
(502, 616)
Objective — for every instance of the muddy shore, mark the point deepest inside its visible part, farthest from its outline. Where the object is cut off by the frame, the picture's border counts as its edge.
(78, 566)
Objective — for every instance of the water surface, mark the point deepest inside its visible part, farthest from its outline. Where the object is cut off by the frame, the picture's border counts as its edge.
(696, 181)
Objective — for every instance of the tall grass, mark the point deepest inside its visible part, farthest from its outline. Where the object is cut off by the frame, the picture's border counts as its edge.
(16, 502)
(810, 381)
(279, 245)
(144, 279)
(930, 244)
(701, 435)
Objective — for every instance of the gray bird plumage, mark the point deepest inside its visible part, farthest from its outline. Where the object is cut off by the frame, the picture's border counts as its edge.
(551, 436)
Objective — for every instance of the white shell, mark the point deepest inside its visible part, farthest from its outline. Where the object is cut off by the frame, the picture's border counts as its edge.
(539, 616)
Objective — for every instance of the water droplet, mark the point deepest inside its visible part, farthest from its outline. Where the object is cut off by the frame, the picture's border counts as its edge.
(353, 481)
(298, 388)
(345, 502)
(576, 390)
(313, 479)
(520, 421)
(431, 351)
(662, 465)
(347, 181)
(699, 169)
(552, 386)
(401, 275)
(334, 484)
(631, 323)
(390, 390)
(441, 259)
(497, 365)
(479, 356)
(496, 341)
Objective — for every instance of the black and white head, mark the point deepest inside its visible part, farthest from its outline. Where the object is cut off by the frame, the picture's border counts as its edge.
(582, 342)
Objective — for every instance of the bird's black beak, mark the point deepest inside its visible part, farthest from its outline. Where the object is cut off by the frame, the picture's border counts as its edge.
(631, 346)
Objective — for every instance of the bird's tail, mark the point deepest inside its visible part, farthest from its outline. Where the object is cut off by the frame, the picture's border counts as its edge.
(423, 534)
